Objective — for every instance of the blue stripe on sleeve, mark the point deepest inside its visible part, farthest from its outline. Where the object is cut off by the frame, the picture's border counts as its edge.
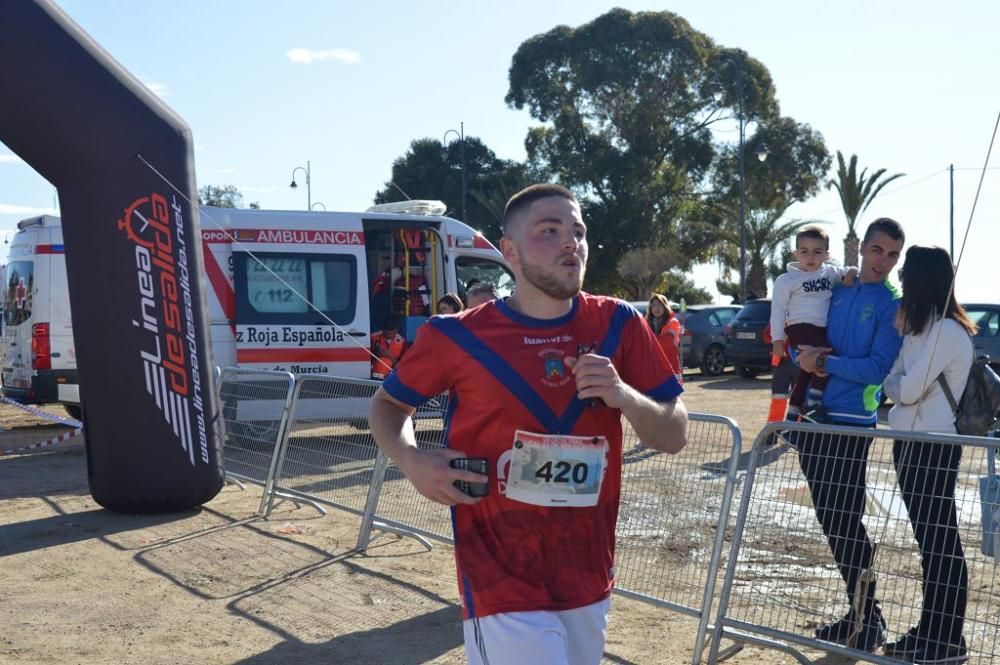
(666, 391)
(398, 390)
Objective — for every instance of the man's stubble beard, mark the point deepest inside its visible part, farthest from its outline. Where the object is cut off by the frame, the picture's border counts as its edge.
(551, 285)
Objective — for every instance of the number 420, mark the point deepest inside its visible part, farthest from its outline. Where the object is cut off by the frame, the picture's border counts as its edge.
(561, 472)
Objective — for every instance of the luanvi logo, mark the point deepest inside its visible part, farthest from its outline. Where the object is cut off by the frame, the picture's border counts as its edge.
(169, 354)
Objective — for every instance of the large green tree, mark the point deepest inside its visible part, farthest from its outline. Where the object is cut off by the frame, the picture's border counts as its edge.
(627, 103)
(430, 170)
(857, 191)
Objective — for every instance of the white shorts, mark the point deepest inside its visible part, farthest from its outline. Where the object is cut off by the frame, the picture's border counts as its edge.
(567, 637)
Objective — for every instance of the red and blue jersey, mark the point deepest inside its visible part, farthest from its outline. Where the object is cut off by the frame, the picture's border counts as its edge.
(506, 372)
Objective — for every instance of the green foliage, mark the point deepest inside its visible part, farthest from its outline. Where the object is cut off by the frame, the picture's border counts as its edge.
(642, 269)
(627, 105)
(767, 236)
(857, 191)
(796, 164)
(728, 289)
(429, 170)
(778, 265)
(677, 286)
(221, 196)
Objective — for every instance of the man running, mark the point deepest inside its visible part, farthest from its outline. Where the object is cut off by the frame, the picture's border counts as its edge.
(539, 382)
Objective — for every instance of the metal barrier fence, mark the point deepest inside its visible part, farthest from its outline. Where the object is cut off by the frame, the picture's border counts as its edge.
(255, 411)
(669, 539)
(329, 455)
(781, 582)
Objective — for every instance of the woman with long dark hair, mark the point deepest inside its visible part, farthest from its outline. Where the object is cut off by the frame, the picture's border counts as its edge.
(660, 317)
(936, 342)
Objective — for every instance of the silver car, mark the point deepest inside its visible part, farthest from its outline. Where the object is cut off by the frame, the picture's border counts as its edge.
(987, 340)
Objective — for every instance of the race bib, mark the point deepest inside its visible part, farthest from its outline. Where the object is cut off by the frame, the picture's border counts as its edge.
(556, 470)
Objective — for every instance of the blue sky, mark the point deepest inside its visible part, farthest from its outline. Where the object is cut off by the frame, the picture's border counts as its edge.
(909, 86)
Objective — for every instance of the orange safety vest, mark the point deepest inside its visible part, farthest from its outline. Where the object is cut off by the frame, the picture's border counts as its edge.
(387, 353)
(669, 339)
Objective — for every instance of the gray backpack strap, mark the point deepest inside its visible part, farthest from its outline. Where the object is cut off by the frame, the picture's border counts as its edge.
(947, 393)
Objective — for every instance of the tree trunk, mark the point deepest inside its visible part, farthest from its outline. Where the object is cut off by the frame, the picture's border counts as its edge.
(851, 245)
(757, 279)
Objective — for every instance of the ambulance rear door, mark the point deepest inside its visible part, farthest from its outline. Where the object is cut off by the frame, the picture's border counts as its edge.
(301, 296)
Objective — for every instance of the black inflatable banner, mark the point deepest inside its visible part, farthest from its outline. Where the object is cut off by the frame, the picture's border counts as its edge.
(116, 154)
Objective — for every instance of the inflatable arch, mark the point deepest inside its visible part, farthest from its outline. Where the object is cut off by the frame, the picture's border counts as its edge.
(122, 162)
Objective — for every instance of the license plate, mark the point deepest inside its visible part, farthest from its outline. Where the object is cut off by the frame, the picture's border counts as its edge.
(746, 335)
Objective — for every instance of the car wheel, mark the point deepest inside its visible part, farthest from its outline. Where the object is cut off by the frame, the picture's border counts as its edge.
(748, 372)
(713, 363)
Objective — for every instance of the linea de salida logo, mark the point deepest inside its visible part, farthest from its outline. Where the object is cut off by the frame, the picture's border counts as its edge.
(169, 351)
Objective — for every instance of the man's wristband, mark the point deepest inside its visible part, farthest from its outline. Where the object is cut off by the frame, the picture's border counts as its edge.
(821, 361)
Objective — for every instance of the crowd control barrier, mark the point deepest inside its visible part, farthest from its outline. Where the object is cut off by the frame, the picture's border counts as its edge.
(781, 582)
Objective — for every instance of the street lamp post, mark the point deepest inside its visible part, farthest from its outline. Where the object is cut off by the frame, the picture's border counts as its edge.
(461, 151)
(761, 155)
(308, 184)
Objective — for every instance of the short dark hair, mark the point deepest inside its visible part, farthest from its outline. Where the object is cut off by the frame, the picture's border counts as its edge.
(885, 225)
(815, 233)
(391, 323)
(928, 292)
(524, 198)
(483, 288)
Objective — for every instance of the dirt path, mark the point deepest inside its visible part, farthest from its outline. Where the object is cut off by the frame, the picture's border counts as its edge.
(84, 585)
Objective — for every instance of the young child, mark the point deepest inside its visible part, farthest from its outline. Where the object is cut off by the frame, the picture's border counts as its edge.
(799, 305)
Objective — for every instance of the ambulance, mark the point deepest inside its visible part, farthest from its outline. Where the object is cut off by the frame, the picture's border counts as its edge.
(295, 291)
(39, 357)
(303, 292)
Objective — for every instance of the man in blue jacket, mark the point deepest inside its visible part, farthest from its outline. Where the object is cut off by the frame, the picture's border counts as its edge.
(861, 331)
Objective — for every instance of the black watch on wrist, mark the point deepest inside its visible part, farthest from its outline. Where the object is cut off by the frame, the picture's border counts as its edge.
(821, 361)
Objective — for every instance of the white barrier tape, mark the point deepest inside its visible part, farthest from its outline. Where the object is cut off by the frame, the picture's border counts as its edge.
(43, 444)
(62, 420)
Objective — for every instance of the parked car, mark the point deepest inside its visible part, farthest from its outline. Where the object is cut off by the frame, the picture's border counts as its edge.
(643, 305)
(704, 337)
(987, 340)
(746, 348)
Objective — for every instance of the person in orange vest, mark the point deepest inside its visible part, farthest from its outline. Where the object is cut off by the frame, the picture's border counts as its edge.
(661, 319)
(387, 348)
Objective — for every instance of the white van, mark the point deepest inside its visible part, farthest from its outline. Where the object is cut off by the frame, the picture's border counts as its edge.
(39, 357)
(264, 269)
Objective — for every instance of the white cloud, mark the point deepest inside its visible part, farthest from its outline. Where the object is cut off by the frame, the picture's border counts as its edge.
(11, 209)
(304, 56)
(10, 159)
(158, 89)
(227, 170)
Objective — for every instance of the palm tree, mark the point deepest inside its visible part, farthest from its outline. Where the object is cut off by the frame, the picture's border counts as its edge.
(766, 238)
(857, 191)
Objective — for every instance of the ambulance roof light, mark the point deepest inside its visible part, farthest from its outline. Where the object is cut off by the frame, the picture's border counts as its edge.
(414, 207)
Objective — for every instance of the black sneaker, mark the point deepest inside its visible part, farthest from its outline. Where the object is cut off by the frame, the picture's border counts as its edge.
(936, 653)
(906, 646)
(870, 637)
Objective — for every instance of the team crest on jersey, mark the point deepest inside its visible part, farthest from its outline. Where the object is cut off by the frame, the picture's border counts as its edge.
(554, 372)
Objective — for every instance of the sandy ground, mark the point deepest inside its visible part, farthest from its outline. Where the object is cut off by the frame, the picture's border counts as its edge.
(80, 584)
